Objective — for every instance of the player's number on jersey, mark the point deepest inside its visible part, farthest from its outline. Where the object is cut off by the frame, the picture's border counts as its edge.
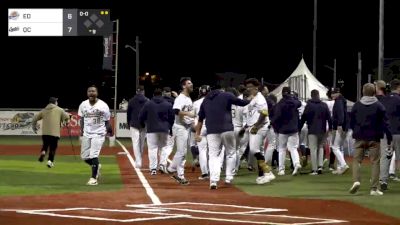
(233, 113)
(69, 29)
(96, 120)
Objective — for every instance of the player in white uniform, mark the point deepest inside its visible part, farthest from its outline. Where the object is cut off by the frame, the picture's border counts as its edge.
(95, 124)
(169, 96)
(202, 145)
(330, 104)
(258, 122)
(238, 124)
(184, 119)
(303, 137)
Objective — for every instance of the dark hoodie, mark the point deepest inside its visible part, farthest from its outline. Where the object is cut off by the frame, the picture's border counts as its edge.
(392, 106)
(316, 114)
(134, 106)
(286, 115)
(157, 115)
(368, 120)
(169, 99)
(216, 109)
(339, 113)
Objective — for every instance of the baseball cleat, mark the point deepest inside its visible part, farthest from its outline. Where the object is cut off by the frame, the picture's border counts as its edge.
(204, 177)
(213, 185)
(314, 173)
(376, 192)
(183, 181)
(228, 181)
(92, 182)
(343, 170)
(163, 169)
(296, 170)
(281, 173)
(270, 175)
(50, 164)
(42, 155)
(355, 187)
(263, 180)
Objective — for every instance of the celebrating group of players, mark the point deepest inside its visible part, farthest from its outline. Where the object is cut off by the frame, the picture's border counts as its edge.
(223, 123)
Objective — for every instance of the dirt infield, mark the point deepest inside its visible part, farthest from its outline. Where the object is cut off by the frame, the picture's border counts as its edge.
(194, 204)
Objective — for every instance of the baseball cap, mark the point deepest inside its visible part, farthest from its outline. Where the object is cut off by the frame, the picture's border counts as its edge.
(53, 100)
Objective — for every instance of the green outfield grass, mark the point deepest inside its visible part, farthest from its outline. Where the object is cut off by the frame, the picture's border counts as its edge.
(24, 175)
(37, 140)
(325, 186)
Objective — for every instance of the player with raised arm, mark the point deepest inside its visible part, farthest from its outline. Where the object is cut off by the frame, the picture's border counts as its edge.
(95, 124)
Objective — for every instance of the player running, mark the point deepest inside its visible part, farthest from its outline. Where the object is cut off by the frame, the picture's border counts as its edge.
(95, 124)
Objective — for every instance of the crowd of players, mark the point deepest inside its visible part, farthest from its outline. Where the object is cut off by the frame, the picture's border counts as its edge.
(225, 127)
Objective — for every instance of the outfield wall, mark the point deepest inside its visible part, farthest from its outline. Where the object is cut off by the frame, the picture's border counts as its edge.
(19, 122)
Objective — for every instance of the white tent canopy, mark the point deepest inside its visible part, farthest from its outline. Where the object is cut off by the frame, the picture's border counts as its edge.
(303, 82)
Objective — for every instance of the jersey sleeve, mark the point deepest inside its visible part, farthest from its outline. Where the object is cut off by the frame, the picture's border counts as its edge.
(178, 104)
(80, 110)
(262, 105)
(107, 114)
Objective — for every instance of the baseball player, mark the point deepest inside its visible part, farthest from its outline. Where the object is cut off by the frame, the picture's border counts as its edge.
(157, 116)
(339, 125)
(169, 96)
(330, 104)
(52, 116)
(95, 124)
(184, 119)
(238, 123)
(138, 133)
(317, 115)
(202, 145)
(286, 120)
(257, 121)
(392, 105)
(271, 134)
(303, 137)
(216, 110)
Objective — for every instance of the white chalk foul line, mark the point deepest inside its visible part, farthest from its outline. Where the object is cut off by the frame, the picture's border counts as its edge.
(165, 207)
(158, 215)
(150, 192)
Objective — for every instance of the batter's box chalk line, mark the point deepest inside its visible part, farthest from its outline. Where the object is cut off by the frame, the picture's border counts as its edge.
(169, 211)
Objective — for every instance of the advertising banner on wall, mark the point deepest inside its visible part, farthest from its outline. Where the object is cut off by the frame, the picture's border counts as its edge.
(122, 127)
(17, 123)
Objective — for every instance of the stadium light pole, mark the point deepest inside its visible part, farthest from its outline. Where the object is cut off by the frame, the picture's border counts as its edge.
(381, 40)
(136, 50)
(315, 39)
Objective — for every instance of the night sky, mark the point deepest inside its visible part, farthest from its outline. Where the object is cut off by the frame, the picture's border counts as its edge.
(196, 40)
